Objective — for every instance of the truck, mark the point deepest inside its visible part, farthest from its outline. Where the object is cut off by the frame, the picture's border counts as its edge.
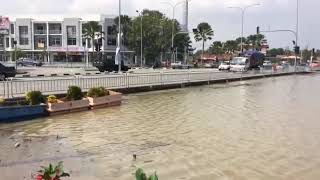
(247, 61)
(6, 72)
(107, 63)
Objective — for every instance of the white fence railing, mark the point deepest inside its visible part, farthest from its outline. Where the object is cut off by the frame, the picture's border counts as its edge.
(18, 88)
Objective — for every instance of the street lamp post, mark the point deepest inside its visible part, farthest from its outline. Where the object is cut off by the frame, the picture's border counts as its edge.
(173, 6)
(243, 9)
(118, 51)
(141, 41)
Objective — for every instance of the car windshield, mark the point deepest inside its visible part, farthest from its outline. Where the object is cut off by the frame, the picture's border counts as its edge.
(238, 61)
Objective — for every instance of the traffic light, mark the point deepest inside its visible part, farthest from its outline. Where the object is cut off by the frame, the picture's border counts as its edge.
(258, 30)
(297, 49)
(313, 51)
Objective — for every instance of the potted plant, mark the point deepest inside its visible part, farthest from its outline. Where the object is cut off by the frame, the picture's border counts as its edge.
(2, 101)
(100, 97)
(51, 173)
(141, 175)
(73, 102)
(31, 107)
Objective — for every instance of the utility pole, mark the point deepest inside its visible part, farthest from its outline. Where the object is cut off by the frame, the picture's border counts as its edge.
(173, 6)
(141, 36)
(118, 51)
(243, 9)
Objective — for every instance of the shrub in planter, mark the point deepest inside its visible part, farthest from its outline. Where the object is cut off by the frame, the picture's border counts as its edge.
(141, 175)
(34, 98)
(97, 92)
(52, 172)
(2, 101)
(74, 93)
(52, 99)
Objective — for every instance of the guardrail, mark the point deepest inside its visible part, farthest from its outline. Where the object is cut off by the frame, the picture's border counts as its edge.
(18, 88)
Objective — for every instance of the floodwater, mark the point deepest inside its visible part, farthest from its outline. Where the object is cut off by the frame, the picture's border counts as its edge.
(258, 130)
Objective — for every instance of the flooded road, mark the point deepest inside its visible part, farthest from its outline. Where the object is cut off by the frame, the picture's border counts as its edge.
(260, 129)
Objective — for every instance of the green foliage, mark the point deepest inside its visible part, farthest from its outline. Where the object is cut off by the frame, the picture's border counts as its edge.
(97, 92)
(141, 175)
(275, 52)
(34, 98)
(157, 34)
(203, 33)
(2, 100)
(19, 53)
(74, 93)
(52, 172)
(52, 99)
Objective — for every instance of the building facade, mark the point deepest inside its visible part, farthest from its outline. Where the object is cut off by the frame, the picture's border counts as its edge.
(53, 41)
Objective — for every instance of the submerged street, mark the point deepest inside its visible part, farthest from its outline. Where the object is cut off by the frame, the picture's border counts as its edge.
(260, 129)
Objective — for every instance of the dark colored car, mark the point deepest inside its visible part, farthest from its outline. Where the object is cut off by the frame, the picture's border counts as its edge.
(6, 72)
(29, 62)
(106, 63)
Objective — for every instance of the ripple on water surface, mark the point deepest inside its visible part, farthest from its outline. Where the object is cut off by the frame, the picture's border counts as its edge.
(260, 129)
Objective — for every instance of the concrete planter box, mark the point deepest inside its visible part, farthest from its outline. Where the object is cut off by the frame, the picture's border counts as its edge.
(113, 99)
(68, 106)
(17, 113)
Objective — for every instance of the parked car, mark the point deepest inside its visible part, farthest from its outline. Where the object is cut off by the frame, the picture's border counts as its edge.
(28, 62)
(224, 66)
(6, 72)
(208, 65)
(267, 65)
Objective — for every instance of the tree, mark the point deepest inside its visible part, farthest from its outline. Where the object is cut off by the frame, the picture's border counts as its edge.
(203, 33)
(230, 46)
(89, 31)
(126, 24)
(157, 31)
(255, 41)
(216, 48)
(275, 52)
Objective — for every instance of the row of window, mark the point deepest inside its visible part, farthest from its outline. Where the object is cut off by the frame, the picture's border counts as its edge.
(55, 41)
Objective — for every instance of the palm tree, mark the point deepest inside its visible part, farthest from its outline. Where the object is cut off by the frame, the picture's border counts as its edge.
(203, 33)
(89, 31)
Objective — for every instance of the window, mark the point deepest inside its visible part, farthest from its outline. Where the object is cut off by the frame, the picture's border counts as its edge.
(55, 28)
(40, 29)
(12, 42)
(23, 41)
(71, 31)
(55, 41)
(7, 42)
(23, 30)
(1, 42)
(12, 28)
(71, 35)
(112, 41)
(72, 41)
(112, 30)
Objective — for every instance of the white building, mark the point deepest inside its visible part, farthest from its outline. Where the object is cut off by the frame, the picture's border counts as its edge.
(52, 40)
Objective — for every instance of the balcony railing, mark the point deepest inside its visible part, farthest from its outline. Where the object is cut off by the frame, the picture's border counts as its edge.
(40, 32)
(55, 31)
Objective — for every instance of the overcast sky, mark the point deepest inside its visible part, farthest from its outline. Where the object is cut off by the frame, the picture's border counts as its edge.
(271, 14)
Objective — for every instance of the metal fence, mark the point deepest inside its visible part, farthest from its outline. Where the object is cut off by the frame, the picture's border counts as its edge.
(18, 88)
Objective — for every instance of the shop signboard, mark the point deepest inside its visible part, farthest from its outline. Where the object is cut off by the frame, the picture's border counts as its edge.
(4, 25)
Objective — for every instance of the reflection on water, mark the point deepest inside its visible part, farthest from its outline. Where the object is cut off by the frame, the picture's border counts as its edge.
(261, 129)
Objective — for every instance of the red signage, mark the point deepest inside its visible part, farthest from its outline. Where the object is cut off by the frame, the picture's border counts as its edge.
(4, 23)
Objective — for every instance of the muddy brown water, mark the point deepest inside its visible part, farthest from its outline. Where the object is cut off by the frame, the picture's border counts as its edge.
(260, 129)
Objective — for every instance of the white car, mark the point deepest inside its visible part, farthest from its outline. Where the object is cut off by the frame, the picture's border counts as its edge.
(224, 66)
(238, 68)
(239, 64)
